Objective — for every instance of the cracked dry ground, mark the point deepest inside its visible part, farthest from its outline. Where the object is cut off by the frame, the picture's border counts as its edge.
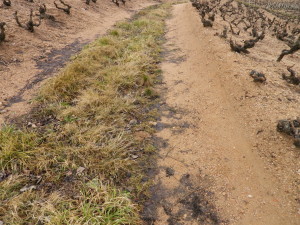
(221, 159)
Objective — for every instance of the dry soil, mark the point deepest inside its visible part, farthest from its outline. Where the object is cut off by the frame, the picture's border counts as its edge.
(222, 160)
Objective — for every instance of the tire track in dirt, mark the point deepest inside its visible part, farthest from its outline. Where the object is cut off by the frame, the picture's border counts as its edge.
(208, 172)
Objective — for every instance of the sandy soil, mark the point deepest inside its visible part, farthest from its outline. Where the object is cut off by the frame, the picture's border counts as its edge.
(222, 160)
(27, 58)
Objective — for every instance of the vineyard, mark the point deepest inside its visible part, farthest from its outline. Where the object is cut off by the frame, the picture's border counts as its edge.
(285, 9)
(155, 112)
(246, 26)
(46, 16)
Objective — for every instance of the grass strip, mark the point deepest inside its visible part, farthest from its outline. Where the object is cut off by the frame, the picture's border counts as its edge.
(84, 159)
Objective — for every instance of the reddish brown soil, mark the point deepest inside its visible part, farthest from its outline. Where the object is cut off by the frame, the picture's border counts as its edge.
(222, 161)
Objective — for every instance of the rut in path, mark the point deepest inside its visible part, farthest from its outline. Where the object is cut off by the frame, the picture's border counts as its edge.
(208, 170)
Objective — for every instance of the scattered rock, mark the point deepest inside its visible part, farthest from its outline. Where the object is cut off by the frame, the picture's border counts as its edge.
(28, 188)
(133, 122)
(31, 125)
(153, 123)
(134, 156)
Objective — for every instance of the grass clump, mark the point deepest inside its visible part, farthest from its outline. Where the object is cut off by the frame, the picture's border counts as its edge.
(84, 164)
(94, 203)
(16, 147)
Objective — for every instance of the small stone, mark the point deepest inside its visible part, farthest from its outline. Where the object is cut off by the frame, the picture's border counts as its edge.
(153, 123)
(31, 125)
(250, 196)
(28, 188)
(134, 156)
(80, 170)
(133, 122)
(1, 222)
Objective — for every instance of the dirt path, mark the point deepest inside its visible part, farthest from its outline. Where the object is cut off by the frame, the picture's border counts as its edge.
(211, 170)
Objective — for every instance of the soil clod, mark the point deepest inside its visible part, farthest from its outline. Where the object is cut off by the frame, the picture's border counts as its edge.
(170, 172)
